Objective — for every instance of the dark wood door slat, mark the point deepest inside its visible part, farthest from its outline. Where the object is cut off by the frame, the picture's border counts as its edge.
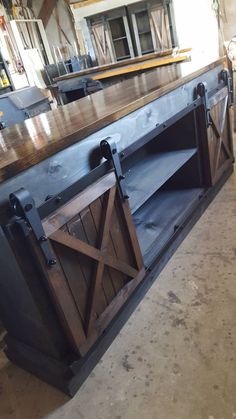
(116, 277)
(104, 236)
(92, 239)
(65, 303)
(219, 146)
(74, 276)
(102, 322)
(132, 235)
(77, 204)
(221, 143)
(93, 253)
(90, 267)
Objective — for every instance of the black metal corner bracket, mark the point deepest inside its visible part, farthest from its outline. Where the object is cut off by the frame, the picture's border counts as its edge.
(109, 152)
(226, 77)
(23, 206)
(203, 93)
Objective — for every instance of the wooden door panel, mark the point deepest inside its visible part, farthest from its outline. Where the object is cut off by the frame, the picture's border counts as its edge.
(99, 263)
(219, 136)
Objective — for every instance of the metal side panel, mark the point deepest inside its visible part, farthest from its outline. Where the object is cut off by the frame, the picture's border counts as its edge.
(58, 172)
(18, 306)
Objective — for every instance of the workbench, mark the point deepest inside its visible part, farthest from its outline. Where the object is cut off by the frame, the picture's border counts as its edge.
(131, 65)
(68, 85)
(95, 197)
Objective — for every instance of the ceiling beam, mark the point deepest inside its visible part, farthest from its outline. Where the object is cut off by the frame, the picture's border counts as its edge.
(46, 11)
(83, 3)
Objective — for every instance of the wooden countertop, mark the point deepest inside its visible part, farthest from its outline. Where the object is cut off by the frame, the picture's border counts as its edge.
(139, 67)
(24, 145)
(122, 63)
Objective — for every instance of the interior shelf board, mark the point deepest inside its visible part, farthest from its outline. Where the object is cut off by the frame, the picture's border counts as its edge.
(119, 39)
(123, 57)
(151, 172)
(144, 32)
(155, 222)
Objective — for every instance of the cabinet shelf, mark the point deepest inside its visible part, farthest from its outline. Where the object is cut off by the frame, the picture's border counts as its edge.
(155, 222)
(119, 39)
(151, 172)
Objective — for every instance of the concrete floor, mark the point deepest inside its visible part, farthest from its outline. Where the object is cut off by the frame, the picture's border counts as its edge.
(175, 358)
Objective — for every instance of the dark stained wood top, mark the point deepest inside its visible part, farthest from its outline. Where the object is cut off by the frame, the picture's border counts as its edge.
(24, 145)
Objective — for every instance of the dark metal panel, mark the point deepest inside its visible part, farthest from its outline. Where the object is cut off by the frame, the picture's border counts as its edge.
(19, 310)
(56, 173)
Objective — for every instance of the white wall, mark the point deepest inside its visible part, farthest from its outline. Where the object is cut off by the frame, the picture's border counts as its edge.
(99, 7)
(197, 27)
(196, 24)
(52, 29)
(229, 21)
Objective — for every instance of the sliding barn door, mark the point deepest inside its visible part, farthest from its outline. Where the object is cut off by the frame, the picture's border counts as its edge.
(102, 42)
(219, 136)
(160, 27)
(99, 263)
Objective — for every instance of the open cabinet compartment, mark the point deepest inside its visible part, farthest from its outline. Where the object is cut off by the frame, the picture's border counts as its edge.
(164, 179)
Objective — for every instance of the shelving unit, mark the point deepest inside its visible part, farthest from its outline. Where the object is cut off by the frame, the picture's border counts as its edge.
(4, 66)
(163, 181)
(151, 172)
(157, 220)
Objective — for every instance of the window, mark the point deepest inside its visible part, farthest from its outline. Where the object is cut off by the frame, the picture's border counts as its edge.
(138, 29)
(144, 32)
(119, 38)
(152, 26)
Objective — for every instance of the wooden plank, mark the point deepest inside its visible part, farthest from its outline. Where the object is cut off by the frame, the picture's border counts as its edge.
(70, 262)
(46, 11)
(219, 134)
(93, 239)
(78, 5)
(115, 276)
(132, 235)
(148, 65)
(95, 289)
(77, 204)
(222, 121)
(120, 235)
(121, 63)
(77, 231)
(79, 246)
(62, 298)
(103, 321)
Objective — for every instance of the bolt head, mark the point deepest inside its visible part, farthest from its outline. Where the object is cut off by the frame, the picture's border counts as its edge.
(58, 199)
(52, 262)
(28, 207)
(43, 239)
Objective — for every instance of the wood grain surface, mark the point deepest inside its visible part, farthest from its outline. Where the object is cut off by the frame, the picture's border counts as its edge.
(138, 67)
(122, 63)
(26, 144)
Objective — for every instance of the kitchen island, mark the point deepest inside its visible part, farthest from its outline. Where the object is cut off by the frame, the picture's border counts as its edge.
(94, 199)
